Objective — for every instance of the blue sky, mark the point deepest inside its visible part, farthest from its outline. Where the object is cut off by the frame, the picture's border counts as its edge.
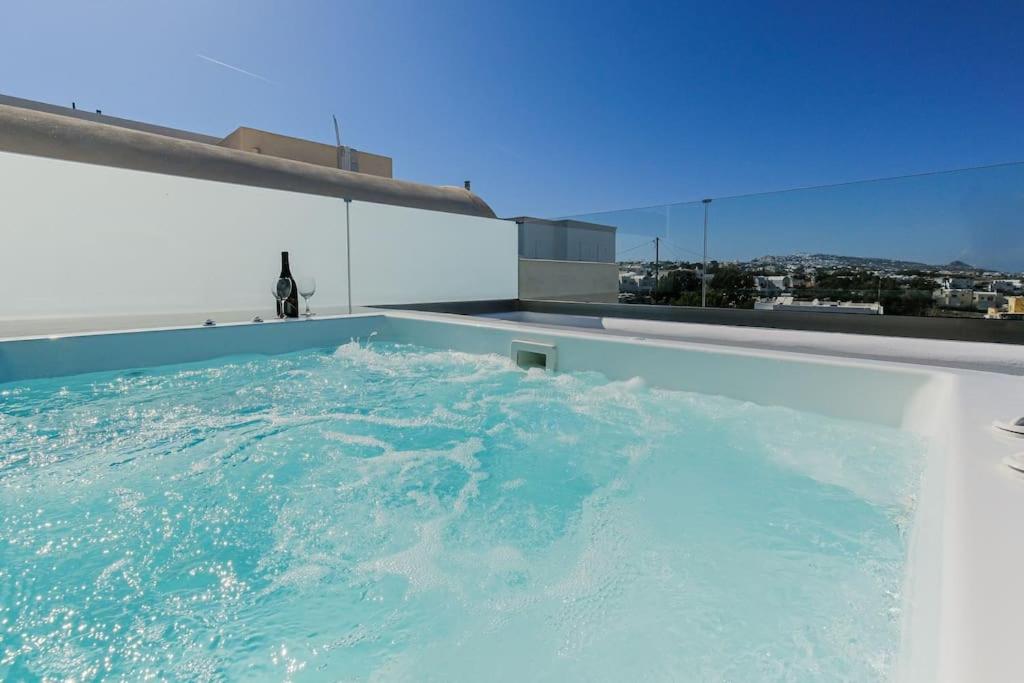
(565, 108)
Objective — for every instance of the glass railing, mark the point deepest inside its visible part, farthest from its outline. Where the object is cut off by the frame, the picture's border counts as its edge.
(938, 244)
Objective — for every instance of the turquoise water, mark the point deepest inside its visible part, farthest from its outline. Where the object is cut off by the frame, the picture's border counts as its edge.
(386, 512)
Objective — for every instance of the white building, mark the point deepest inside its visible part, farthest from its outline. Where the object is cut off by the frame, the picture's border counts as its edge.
(954, 282)
(954, 298)
(1008, 286)
(982, 301)
(772, 283)
(635, 283)
(787, 303)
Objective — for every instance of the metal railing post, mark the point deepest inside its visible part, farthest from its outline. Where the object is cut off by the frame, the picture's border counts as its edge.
(348, 253)
(704, 270)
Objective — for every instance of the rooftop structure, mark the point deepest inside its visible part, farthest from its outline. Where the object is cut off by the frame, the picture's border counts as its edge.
(567, 260)
(565, 240)
(297, 149)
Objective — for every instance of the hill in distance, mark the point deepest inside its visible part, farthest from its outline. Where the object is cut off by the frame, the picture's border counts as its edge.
(839, 261)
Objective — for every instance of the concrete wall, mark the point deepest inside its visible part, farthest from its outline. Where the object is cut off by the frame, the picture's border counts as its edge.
(568, 280)
(87, 240)
(373, 164)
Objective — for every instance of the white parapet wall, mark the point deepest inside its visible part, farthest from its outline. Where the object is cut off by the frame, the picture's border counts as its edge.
(402, 255)
(83, 240)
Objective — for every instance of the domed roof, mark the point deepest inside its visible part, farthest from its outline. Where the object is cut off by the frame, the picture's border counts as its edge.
(57, 136)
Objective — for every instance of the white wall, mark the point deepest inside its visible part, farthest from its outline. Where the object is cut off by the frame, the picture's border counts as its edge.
(81, 239)
(403, 255)
(85, 240)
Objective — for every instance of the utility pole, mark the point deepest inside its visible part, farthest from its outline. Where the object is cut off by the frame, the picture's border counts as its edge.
(704, 271)
(657, 269)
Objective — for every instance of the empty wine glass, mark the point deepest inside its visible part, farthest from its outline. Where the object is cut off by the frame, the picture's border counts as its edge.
(307, 288)
(281, 290)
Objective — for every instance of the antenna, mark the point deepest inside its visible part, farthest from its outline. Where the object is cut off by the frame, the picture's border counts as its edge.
(344, 154)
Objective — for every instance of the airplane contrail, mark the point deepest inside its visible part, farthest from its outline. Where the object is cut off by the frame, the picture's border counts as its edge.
(234, 68)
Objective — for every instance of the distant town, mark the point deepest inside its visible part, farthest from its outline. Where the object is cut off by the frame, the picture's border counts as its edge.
(829, 283)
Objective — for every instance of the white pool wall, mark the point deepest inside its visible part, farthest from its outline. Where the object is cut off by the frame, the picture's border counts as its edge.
(846, 389)
(59, 355)
(987, 356)
(868, 393)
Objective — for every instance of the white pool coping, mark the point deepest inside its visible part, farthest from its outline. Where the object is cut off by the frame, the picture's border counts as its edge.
(987, 356)
(969, 500)
(49, 325)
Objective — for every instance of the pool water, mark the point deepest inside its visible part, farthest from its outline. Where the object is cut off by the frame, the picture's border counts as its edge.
(391, 512)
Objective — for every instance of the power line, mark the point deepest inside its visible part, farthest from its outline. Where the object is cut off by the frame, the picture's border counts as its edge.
(681, 250)
(674, 252)
(626, 251)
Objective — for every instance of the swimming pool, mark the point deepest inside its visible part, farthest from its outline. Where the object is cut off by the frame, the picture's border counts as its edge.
(393, 508)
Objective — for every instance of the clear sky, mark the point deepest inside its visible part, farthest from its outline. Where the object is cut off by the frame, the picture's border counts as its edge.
(559, 108)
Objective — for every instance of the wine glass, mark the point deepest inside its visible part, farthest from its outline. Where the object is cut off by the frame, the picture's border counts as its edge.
(281, 290)
(307, 288)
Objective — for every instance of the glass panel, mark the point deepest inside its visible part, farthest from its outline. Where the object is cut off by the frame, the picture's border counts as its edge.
(937, 244)
(948, 243)
(662, 244)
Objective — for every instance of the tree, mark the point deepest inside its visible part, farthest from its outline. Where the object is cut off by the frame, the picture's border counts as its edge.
(731, 287)
(675, 282)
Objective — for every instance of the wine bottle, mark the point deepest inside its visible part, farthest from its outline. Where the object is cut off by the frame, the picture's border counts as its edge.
(289, 306)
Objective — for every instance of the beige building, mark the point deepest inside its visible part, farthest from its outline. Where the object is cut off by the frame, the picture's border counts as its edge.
(297, 149)
(1014, 310)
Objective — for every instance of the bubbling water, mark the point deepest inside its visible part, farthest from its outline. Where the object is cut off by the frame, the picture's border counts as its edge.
(391, 512)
